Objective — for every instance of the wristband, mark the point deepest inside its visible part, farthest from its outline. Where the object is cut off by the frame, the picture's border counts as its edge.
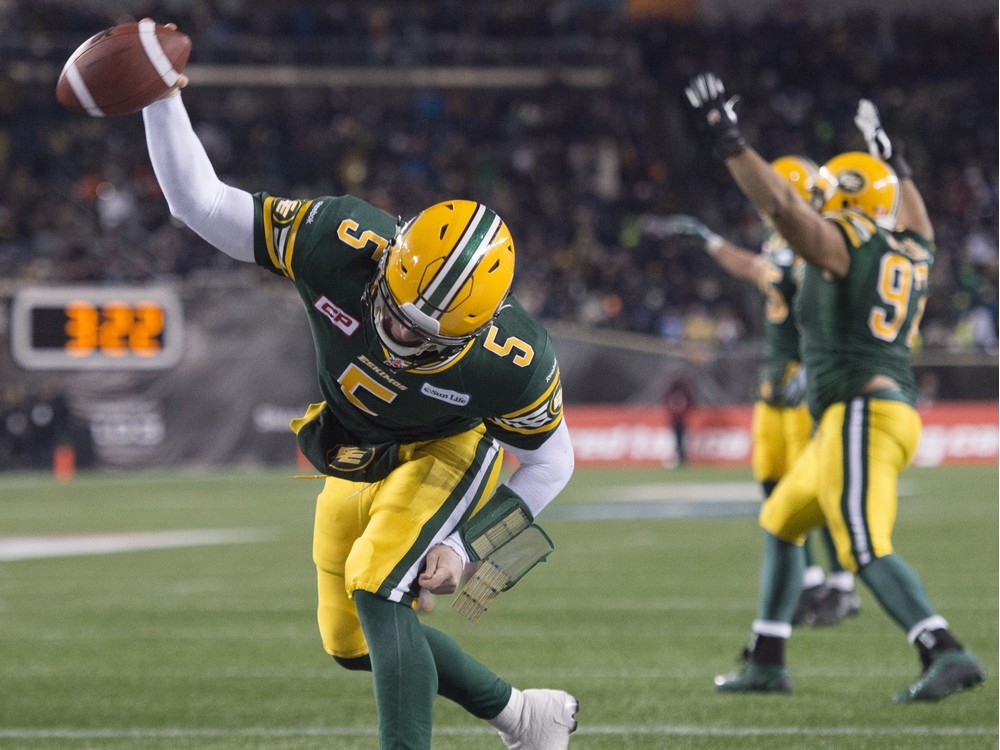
(900, 165)
(729, 144)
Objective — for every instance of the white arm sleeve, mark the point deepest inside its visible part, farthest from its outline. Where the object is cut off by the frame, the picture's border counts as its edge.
(219, 213)
(541, 475)
(544, 471)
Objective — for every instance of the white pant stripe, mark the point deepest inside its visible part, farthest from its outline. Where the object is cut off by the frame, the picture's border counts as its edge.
(855, 489)
(403, 587)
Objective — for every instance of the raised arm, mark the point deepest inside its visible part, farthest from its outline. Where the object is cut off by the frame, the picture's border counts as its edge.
(220, 214)
(912, 211)
(813, 238)
(735, 260)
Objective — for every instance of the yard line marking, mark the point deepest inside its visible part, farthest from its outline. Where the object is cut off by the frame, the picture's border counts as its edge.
(72, 545)
(685, 492)
(660, 500)
(697, 731)
(638, 511)
(674, 730)
(690, 492)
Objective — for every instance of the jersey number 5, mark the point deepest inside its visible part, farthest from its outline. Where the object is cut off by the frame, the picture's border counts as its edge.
(524, 351)
(775, 307)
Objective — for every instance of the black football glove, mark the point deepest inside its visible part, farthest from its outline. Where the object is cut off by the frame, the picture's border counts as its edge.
(679, 225)
(877, 139)
(714, 114)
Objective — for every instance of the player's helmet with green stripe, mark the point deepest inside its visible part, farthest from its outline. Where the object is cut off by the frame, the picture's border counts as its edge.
(441, 281)
(865, 183)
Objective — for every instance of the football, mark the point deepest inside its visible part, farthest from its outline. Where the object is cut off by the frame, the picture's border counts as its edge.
(122, 69)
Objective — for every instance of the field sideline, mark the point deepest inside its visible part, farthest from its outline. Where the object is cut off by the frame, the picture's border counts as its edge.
(177, 611)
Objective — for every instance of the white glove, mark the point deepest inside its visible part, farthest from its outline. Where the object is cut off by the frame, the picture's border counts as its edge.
(870, 125)
(679, 225)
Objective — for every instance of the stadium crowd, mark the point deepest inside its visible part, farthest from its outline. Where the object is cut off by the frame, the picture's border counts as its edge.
(579, 173)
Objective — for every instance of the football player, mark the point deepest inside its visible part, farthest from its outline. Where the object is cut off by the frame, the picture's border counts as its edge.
(781, 424)
(865, 285)
(429, 369)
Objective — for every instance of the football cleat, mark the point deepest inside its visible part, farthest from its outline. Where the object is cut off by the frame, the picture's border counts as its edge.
(834, 607)
(808, 604)
(752, 677)
(949, 672)
(547, 720)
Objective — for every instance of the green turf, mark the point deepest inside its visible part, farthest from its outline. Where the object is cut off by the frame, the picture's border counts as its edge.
(216, 646)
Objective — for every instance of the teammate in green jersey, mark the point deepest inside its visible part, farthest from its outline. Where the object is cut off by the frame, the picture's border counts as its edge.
(781, 424)
(859, 306)
(428, 370)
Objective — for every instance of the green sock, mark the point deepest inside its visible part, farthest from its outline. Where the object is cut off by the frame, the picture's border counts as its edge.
(807, 552)
(403, 673)
(898, 589)
(460, 677)
(464, 680)
(780, 579)
(831, 551)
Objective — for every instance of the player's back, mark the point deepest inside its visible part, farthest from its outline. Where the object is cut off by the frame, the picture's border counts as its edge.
(866, 323)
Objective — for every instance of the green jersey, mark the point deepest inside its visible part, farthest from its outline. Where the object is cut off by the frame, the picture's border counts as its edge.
(864, 324)
(506, 378)
(781, 334)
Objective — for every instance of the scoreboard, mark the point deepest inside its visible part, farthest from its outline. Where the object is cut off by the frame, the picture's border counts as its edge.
(96, 328)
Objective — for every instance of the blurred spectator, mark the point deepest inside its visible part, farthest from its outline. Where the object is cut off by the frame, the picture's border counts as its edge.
(678, 400)
(574, 168)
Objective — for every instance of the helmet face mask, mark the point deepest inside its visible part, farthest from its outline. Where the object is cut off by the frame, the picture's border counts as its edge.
(865, 183)
(440, 283)
(420, 348)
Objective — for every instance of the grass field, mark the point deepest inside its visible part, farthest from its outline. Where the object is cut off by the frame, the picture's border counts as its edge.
(649, 594)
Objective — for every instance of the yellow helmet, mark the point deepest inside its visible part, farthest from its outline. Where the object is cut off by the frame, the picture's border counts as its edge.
(803, 174)
(863, 182)
(442, 280)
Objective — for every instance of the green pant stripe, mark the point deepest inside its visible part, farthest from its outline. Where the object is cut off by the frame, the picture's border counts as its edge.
(458, 506)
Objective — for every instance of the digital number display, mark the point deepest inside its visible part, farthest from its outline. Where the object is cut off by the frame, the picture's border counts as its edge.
(68, 328)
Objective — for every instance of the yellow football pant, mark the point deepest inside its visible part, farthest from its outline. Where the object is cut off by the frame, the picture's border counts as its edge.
(780, 434)
(847, 478)
(374, 537)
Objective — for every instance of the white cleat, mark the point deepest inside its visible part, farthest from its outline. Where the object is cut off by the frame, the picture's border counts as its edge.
(546, 720)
